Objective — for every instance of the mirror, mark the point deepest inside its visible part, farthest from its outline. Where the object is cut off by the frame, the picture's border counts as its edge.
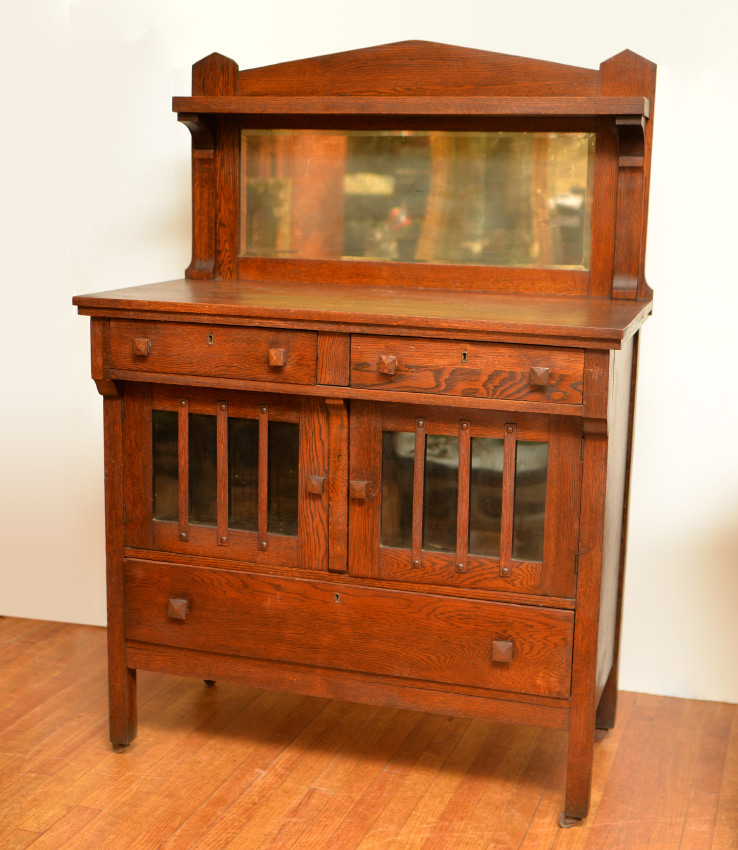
(520, 199)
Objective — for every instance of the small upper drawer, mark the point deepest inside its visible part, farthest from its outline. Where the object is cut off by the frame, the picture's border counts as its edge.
(471, 369)
(214, 351)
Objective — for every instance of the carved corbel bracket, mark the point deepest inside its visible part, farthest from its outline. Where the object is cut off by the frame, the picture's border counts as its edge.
(202, 266)
(628, 271)
(107, 388)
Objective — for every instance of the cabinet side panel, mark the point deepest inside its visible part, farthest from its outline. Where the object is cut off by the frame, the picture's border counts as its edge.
(619, 417)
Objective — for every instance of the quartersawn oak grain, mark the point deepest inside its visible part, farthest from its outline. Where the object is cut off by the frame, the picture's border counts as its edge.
(413, 636)
(331, 612)
(566, 321)
(467, 369)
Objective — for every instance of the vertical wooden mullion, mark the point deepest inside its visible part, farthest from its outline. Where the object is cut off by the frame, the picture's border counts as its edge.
(222, 472)
(508, 499)
(183, 462)
(418, 488)
(365, 441)
(338, 473)
(462, 501)
(263, 479)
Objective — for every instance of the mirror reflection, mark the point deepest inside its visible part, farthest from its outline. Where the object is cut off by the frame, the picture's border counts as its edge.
(480, 198)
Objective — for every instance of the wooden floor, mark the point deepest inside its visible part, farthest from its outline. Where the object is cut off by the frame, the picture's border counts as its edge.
(238, 767)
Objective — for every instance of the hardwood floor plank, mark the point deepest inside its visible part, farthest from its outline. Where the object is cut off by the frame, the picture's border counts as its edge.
(699, 823)
(390, 819)
(437, 794)
(19, 839)
(364, 803)
(672, 810)
(351, 775)
(270, 733)
(65, 828)
(238, 767)
(726, 819)
(261, 807)
(475, 809)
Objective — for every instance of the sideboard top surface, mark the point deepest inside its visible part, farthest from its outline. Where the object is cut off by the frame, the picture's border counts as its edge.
(578, 320)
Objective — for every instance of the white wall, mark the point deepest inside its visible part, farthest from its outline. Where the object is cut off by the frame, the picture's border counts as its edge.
(95, 195)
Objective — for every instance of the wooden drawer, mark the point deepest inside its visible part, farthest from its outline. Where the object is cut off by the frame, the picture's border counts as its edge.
(214, 351)
(324, 624)
(471, 369)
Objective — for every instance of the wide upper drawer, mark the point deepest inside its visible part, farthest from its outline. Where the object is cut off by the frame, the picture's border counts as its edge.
(324, 624)
(256, 354)
(471, 369)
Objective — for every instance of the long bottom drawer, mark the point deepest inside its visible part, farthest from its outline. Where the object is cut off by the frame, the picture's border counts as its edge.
(414, 636)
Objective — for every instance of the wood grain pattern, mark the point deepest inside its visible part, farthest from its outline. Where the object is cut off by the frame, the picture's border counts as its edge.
(262, 507)
(226, 199)
(202, 264)
(365, 435)
(183, 470)
(121, 678)
(313, 506)
(466, 369)
(333, 359)
(665, 776)
(338, 475)
(472, 589)
(282, 549)
(602, 242)
(190, 349)
(404, 635)
(417, 68)
(413, 105)
(348, 350)
(507, 512)
(400, 275)
(416, 548)
(624, 75)
(462, 499)
(582, 322)
(138, 462)
(221, 464)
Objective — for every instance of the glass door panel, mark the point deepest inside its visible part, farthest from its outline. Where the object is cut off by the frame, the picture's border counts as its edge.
(243, 471)
(282, 483)
(485, 496)
(440, 492)
(166, 474)
(464, 498)
(203, 476)
(224, 474)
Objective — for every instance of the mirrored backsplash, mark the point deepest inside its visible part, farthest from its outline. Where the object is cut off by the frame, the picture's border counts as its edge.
(520, 199)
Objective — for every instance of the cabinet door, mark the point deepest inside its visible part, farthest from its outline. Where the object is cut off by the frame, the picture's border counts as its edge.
(227, 475)
(464, 498)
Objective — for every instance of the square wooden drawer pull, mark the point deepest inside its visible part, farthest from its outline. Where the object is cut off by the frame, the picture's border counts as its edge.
(141, 346)
(502, 651)
(315, 484)
(539, 376)
(178, 608)
(387, 364)
(359, 489)
(277, 356)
